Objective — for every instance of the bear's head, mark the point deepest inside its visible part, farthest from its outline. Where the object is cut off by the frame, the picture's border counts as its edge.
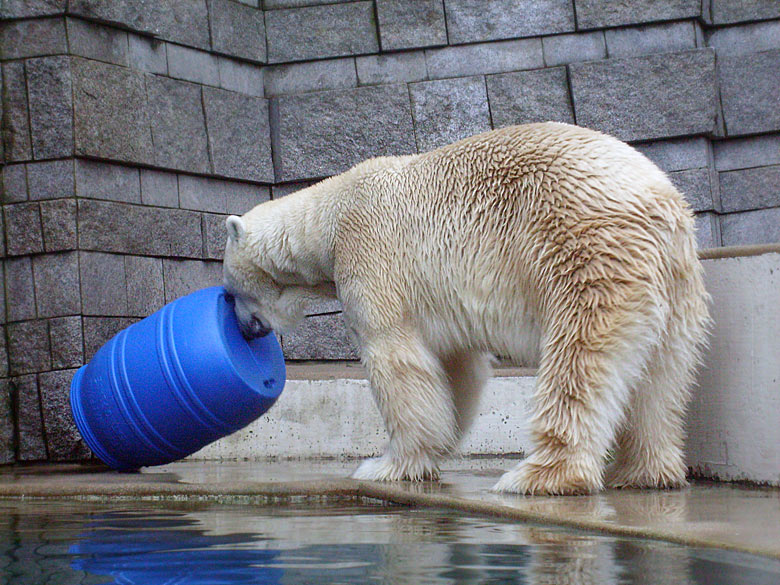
(261, 304)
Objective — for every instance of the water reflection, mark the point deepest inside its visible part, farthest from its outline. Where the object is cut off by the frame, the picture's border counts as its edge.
(162, 555)
(66, 545)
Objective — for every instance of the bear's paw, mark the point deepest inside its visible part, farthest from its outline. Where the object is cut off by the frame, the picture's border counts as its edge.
(627, 476)
(388, 468)
(560, 479)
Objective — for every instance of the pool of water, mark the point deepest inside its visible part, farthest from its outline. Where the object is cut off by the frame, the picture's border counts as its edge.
(133, 544)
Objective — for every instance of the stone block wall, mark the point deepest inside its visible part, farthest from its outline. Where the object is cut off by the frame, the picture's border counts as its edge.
(131, 129)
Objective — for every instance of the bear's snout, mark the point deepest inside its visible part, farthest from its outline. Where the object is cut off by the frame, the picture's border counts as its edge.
(254, 328)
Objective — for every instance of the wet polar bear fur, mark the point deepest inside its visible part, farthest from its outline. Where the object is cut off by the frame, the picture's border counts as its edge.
(544, 241)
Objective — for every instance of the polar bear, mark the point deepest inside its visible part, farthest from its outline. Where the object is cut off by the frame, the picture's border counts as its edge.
(545, 242)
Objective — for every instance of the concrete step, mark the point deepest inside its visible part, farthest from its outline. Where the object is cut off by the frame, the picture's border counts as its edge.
(326, 410)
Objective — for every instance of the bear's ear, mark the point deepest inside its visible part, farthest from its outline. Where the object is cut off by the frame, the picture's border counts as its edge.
(235, 228)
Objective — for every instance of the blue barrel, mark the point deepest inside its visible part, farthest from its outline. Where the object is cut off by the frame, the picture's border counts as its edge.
(180, 379)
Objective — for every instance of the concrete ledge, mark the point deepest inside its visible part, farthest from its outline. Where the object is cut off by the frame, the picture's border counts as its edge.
(734, 421)
(333, 415)
(738, 251)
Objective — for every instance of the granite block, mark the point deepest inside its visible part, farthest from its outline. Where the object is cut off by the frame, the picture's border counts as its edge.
(447, 110)
(32, 444)
(239, 135)
(748, 189)
(749, 90)
(23, 231)
(67, 343)
(571, 48)
(696, 187)
(94, 41)
(28, 8)
(3, 354)
(323, 307)
(17, 142)
(19, 289)
(707, 230)
(237, 30)
(2, 116)
(20, 39)
(7, 430)
(318, 32)
(214, 236)
(645, 40)
(750, 38)
(179, 131)
(644, 98)
(103, 284)
(241, 197)
(600, 14)
(58, 220)
(57, 291)
(28, 347)
(308, 130)
(63, 439)
(14, 183)
(677, 154)
(182, 235)
(729, 11)
(242, 77)
(118, 227)
(311, 76)
(145, 289)
(159, 188)
(98, 180)
(182, 21)
(529, 96)
(192, 65)
(183, 277)
(3, 348)
(50, 94)
(50, 179)
(751, 227)
(471, 21)
(391, 68)
(202, 193)
(484, 59)
(147, 54)
(98, 330)
(282, 189)
(323, 337)
(743, 153)
(408, 24)
(276, 4)
(110, 114)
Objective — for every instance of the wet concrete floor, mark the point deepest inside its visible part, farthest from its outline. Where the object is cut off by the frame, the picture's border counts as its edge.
(705, 514)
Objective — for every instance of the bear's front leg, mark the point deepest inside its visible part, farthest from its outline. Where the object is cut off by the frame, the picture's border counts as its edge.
(411, 391)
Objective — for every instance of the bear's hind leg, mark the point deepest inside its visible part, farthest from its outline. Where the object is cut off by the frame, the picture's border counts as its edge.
(651, 443)
(411, 389)
(589, 362)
